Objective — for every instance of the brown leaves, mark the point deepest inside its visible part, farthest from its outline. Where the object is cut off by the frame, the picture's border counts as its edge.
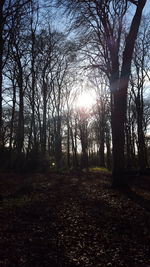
(65, 221)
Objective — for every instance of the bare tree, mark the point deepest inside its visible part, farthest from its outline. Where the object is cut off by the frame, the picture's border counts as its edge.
(103, 22)
(8, 11)
(140, 68)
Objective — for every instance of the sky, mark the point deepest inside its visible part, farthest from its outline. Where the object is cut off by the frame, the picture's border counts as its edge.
(147, 7)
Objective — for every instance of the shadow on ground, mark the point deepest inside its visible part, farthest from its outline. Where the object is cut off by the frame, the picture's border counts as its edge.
(78, 220)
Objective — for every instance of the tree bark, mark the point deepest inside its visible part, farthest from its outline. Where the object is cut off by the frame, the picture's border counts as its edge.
(84, 146)
(58, 145)
(120, 100)
(1, 65)
(108, 155)
(68, 144)
(142, 154)
(44, 117)
(101, 149)
(20, 131)
(12, 117)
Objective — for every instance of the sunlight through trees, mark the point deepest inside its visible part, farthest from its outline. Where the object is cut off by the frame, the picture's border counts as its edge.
(75, 95)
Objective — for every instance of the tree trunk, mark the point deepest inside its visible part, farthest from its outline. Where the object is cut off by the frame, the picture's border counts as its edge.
(129, 153)
(68, 144)
(58, 145)
(84, 145)
(32, 125)
(142, 154)
(44, 117)
(118, 139)
(12, 117)
(108, 155)
(1, 65)
(20, 135)
(101, 150)
(74, 148)
(120, 100)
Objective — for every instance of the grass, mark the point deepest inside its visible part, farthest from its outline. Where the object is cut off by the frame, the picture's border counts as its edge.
(99, 169)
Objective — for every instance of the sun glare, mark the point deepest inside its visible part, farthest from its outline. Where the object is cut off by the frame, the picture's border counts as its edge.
(86, 99)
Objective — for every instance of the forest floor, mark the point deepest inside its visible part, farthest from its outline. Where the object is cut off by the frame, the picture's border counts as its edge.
(73, 220)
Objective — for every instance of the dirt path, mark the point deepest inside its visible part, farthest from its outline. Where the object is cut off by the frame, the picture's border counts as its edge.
(73, 221)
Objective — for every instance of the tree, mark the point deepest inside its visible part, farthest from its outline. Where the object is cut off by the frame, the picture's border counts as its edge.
(103, 21)
(83, 122)
(138, 86)
(32, 81)
(9, 10)
(101, 112)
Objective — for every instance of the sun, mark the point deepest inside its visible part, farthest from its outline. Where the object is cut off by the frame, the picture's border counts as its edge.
(85, 100)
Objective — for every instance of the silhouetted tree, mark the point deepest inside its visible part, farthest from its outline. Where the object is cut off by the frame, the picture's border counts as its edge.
(103, 23)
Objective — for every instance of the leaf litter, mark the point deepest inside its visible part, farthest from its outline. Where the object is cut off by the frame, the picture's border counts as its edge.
(72, 220)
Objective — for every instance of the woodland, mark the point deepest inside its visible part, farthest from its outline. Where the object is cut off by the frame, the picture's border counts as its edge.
(74, 133)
